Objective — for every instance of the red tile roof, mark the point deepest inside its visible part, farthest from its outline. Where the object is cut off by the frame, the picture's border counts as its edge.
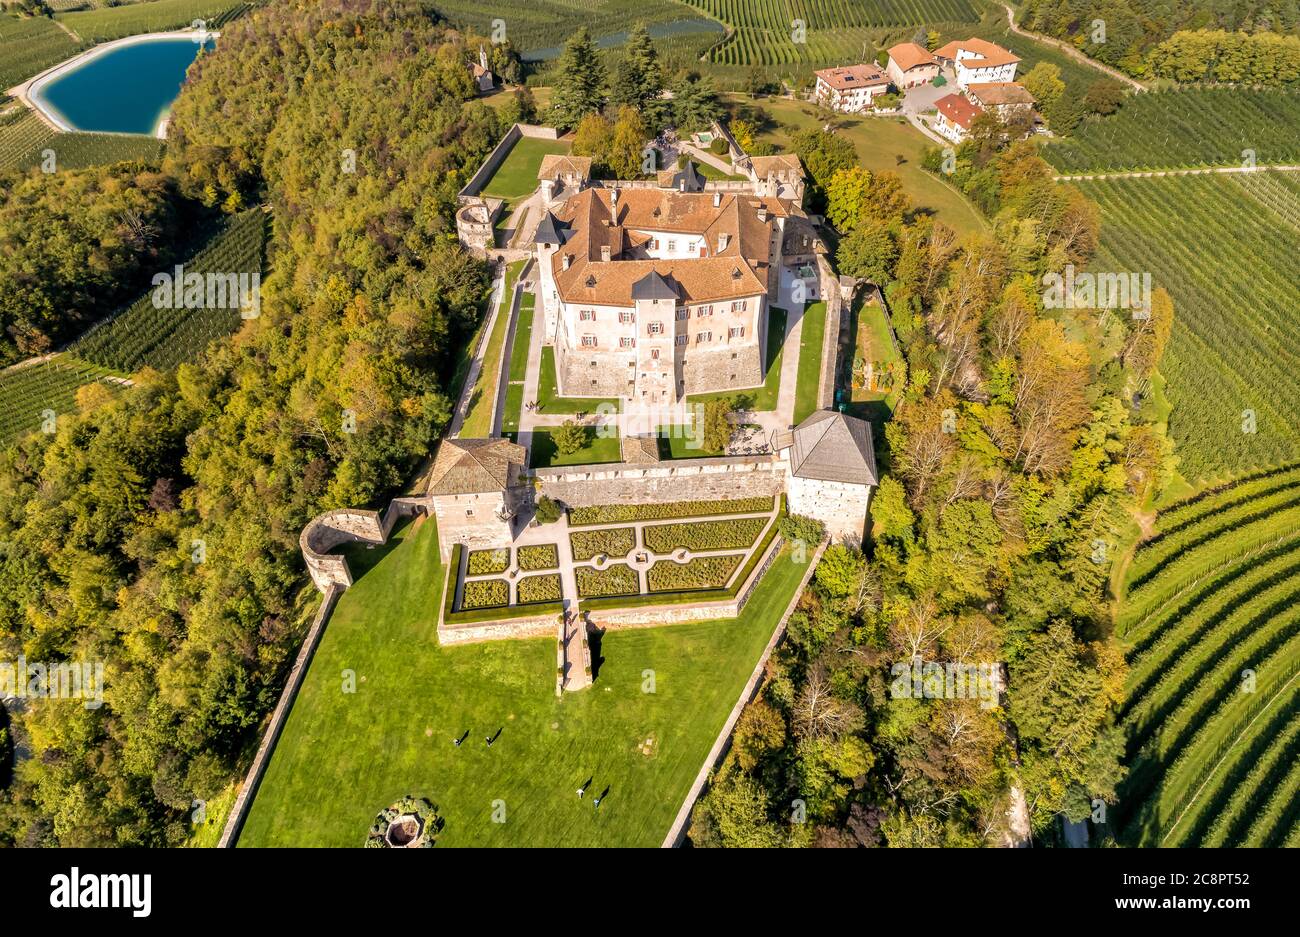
(958, 110)
(909, 55)
(991, 54)
(853, 76)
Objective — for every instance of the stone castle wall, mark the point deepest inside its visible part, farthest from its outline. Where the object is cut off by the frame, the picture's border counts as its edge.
(347, 525)
(722, 478)
(715, 369)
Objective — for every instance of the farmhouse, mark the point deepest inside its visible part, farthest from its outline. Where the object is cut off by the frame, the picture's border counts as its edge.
(850, 89)
(910, 65)
(655, 293)
(955, 116)
(1004, 98)
(977, 60)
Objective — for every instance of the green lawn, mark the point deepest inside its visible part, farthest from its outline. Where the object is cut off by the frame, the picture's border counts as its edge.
(680, 442)
(765, 397)
(601, 449)
(518, 364)
(478, 421)
(516, 177)
(810, 361)
(715, 174)
(343, 757)
(887, 144)
(548, 391)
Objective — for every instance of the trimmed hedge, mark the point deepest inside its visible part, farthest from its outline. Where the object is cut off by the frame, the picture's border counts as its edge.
(541, 556)
(736, 534)
(703, 572)
(619, 579)
(668, 510)
(500, 613)
(671, 598)
(613, 542)
(486, 562)
(485, 593)
(535, 589)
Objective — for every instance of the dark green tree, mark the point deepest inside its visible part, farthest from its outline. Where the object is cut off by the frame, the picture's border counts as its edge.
(580, 88)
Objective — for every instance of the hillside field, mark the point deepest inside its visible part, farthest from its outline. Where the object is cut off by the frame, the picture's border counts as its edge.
(1210, 623)
(1187, 129)
(1225, 248)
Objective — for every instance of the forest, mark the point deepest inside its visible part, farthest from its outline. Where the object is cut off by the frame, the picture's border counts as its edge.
(1007, 474)
(1246, 40)
(157, 529)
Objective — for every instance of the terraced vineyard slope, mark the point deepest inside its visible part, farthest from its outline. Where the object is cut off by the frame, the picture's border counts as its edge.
(1211, 626)
(1225, 248)
(764, 31)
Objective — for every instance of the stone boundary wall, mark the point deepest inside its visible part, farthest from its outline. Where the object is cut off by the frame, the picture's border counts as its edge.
(244, 800)
(830, 335)
(711, 479)
(534, 626)
(677, 832)
(494, 159)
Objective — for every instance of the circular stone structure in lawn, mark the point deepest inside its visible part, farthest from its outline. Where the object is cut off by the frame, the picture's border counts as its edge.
(411, 823)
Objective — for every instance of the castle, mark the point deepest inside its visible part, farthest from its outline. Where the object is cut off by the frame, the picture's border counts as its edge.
(656, 291)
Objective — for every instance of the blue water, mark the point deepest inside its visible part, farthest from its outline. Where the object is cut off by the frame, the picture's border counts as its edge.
(126, 90)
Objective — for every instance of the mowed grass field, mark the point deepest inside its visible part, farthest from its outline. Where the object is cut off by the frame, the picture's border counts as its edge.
(808, 380)
(1210, 621)
(1225, 248)
(516, 177)
(343, 757)
(883, 144)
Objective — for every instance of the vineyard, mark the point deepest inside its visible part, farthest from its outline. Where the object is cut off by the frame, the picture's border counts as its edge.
(101, 25)
(145, 335)
(28, 391)
(24, 137)
(1211, 627)
(543, 24)
(1186, 129)
(1224, 247)
(836, 30)
(31, 46)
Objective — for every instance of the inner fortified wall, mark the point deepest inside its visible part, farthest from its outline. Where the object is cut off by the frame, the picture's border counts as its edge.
(716, 479)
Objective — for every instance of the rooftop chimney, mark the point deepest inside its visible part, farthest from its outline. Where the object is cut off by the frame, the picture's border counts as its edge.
(568, 259)
(762, 213)
(723, 240)
(717, 199)
(604, 253)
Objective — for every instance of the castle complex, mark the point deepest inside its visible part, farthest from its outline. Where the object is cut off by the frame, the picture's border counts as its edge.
(653, 292)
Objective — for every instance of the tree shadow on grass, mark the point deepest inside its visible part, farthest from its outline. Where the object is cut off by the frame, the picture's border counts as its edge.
(363, 557)
(594, 638)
